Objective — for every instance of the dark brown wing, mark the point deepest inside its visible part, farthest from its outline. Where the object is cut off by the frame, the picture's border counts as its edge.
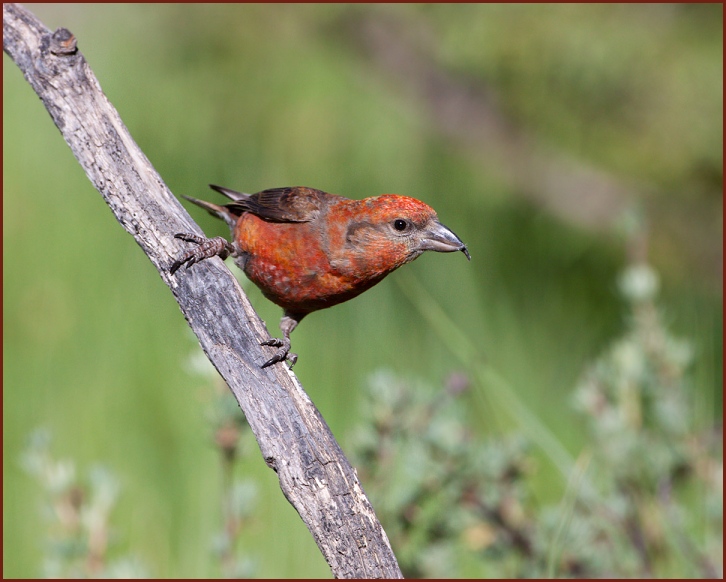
(292, 204)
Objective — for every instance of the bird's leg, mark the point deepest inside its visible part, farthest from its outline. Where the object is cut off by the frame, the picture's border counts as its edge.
(288, 322)
(205, 249)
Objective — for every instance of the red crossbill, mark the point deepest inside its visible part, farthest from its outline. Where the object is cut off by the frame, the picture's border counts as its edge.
(308, 250)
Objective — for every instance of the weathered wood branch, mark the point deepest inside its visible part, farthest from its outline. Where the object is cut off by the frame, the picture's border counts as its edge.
(294, 439)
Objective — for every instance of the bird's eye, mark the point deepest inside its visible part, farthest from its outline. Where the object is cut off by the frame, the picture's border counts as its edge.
(400, 225)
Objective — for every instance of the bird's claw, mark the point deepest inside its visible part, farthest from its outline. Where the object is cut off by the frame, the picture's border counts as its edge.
(205, 249)
(282, 354)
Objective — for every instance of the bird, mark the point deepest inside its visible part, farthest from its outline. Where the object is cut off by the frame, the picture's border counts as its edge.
(308, 250)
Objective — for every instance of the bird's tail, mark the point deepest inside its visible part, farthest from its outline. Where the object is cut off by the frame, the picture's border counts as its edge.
(231, 194)
(229, 212)
(229, 215)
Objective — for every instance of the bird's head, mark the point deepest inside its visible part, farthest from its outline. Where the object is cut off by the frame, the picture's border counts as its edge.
(393, 230)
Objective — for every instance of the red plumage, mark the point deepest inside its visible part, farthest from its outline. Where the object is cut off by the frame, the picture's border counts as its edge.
(308, 250)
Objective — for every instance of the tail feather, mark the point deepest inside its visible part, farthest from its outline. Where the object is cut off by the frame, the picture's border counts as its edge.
(231, 194)
(229, 215)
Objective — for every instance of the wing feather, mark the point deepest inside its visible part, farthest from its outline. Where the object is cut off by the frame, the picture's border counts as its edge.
(289, 204)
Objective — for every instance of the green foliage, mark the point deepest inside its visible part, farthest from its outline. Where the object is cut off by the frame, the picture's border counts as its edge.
(435, 487)
(659, 474)
(644, 498)
(78, 512)
(239, 496)
(80, 541)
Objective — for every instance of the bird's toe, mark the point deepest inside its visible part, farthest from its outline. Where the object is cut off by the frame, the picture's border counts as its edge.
(205, 249)
(282, 354)
(275, 342)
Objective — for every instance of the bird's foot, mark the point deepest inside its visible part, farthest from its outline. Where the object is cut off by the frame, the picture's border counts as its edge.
(282, 354)
(205, 249)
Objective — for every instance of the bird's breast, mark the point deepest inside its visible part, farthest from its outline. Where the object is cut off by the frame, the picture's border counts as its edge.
(291, 264)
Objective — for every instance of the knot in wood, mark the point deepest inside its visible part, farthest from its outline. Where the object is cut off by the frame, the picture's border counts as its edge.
(272, 463)
(63, 42)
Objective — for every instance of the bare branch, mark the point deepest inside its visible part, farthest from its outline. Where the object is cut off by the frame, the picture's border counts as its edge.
(294, 439)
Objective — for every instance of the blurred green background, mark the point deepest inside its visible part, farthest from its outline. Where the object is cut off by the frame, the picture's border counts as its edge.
(533, 130)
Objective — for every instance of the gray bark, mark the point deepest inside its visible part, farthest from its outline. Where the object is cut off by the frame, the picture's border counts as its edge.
(294, 439)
